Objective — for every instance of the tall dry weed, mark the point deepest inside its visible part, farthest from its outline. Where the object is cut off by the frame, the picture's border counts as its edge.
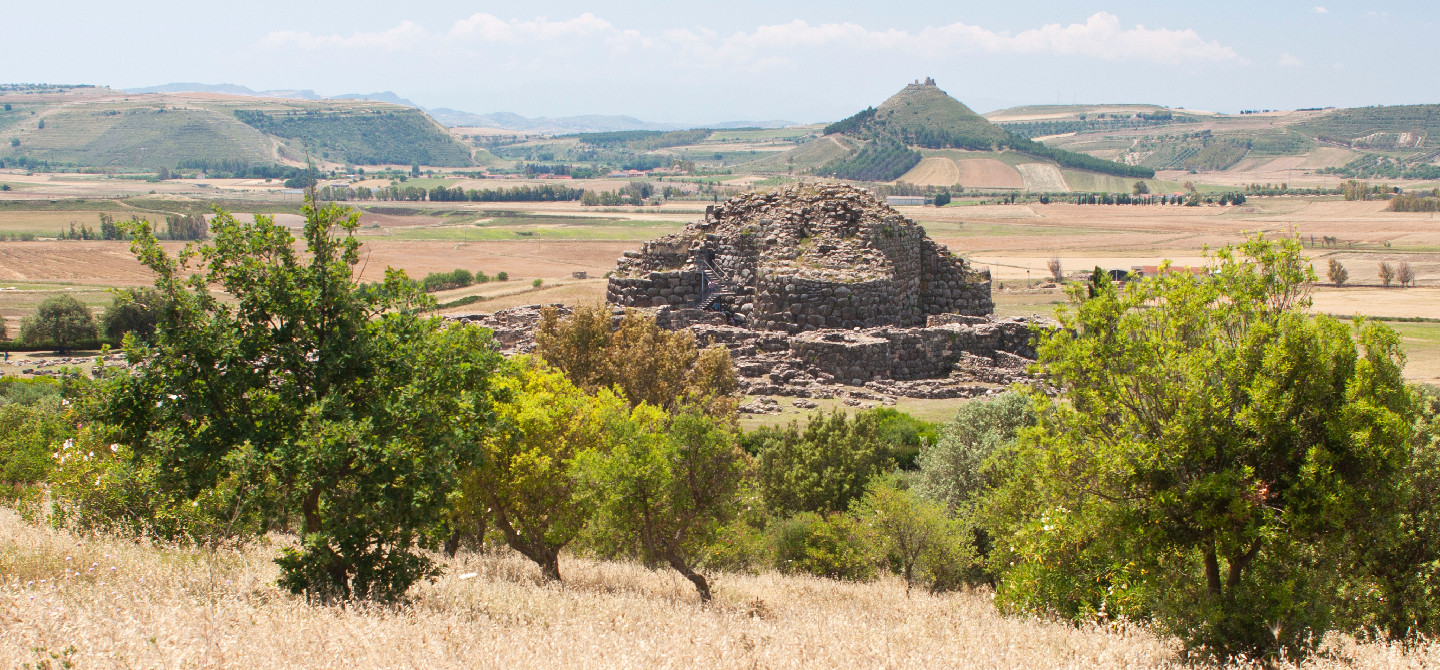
(110, 602)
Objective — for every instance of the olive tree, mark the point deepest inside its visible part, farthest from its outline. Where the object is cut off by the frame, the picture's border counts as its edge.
(527, 477)
(61, 321)
(668, 487)
(1216, 449)
(345, 410)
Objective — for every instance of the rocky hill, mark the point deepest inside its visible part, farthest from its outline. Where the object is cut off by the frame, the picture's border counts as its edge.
(922, 116)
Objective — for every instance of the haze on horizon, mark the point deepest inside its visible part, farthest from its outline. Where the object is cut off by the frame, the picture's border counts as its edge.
(805, 61)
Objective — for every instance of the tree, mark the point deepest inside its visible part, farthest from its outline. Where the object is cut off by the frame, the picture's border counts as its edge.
(1387, 274)
(1140, 188)
(1057, 273)
(1216, 449)
(135, 311)
(1404, 274)
(917, 534)
(942, 198)
(823, 468)
(1337, 273)
(527, 476)
(953, 469)
(667, 488)
(649, 363)
(60, 321)
(344, 408)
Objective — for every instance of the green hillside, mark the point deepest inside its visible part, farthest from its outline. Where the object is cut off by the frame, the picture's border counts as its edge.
(922, 115)
(364, 137)
(1397, 127)
(109, 129)
(138, 137)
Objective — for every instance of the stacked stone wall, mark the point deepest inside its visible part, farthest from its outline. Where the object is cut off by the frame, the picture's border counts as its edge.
(661, 288)
(906, 354)
(948, 287)
(793, 305)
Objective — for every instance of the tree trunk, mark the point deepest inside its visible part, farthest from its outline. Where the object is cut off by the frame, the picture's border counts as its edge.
(1238, 565)
(702, 586)
(545, 556)
(452, 543)
(1212, 570)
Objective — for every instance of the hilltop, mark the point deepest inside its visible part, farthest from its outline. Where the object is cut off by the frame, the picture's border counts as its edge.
(922, 135)
(105, 128)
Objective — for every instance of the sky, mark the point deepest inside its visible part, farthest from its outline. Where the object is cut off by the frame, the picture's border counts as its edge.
(704, 62)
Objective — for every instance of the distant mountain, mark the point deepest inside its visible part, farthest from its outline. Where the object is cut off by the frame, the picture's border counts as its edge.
(236, 89)
(382, 96)
(228, 89)
(590, 123)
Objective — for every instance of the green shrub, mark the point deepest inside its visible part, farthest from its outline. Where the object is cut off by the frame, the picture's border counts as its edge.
(444, 281)
(132, 311)
(1219, 466)
(33, 422)
(836, 546)
(904, 435)
(822, 468)
(60, 321)
(502, 276)
(953, 468)
(917, 536)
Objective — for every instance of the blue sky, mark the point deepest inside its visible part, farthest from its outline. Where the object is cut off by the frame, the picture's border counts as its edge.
(745, 59)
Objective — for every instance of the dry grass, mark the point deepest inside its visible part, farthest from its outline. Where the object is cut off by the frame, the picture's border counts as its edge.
(98, 602)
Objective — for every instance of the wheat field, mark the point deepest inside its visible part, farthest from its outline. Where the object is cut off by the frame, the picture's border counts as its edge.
(97, 602)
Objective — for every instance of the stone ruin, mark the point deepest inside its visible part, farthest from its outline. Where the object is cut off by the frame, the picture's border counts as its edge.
(803, 258)
(818, 292)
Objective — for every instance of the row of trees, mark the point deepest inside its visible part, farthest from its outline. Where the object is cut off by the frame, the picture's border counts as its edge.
(187, 227)
(1400, 272)
(457, 278)
(398, 193)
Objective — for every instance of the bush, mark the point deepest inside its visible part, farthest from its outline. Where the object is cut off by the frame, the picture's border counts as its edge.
(60, 321)
(32, 422)
(444, 281)
(648, 363)
(502, 276)
(537, 283)
(904, 435)
(1169, 485)
(1337, 273)
(836, 546)
(917, 536)
(955, 469)
(822, 468)
(132, 311)
(340, 408)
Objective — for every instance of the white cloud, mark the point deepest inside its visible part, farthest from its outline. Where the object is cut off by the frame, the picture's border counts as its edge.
(491, 29)
(1321, 10)
(1101, 36)
(1286, 60)
(405, 35)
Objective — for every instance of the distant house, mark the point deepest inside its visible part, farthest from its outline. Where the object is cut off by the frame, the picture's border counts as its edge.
(904, 200)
